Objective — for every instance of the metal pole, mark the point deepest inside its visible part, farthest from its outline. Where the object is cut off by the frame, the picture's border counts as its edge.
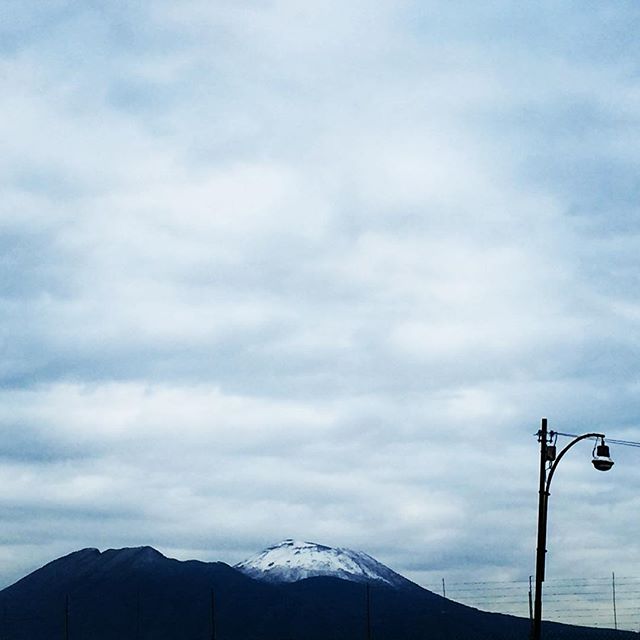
(530, 599)
(543, 504)
(444, 589)
(368, 611)
(615, 615)
(66, 619)
(138, 614)
(541, 549)
(213, 615)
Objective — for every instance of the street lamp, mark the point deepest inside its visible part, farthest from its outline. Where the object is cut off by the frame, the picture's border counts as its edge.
(601, 461)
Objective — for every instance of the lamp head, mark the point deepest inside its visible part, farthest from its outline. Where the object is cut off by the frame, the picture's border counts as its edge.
(601, 460)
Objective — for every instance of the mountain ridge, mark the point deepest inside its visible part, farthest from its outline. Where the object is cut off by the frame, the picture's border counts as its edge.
(139, 594)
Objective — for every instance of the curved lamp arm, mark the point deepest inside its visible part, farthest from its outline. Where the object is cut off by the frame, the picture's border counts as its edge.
(555, 463)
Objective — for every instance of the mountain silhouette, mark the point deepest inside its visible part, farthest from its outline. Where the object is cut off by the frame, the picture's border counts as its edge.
(139, 594)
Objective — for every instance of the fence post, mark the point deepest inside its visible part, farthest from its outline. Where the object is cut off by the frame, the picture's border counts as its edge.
(213, 615)
(66, 618)
(613, 593)
(368, 611)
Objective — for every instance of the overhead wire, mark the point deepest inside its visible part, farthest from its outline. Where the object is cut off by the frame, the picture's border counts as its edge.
(624, 443)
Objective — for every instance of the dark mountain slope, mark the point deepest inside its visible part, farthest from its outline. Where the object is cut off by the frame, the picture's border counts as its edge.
(139, 594)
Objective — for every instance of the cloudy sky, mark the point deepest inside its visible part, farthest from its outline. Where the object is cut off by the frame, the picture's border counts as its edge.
(317, 269)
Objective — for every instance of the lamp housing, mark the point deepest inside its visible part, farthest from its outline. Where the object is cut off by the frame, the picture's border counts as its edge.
(602, 460)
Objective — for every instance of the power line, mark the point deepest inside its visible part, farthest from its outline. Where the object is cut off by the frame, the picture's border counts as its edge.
(624, 443)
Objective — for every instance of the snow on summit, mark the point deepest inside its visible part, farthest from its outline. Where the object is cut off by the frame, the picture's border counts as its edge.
(293, 560)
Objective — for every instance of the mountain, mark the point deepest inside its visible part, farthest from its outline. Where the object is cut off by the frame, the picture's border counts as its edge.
(139, 594)
(116, 594)
(293, 560)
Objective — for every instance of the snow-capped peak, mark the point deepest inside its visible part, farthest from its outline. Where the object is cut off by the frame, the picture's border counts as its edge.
(293, 560)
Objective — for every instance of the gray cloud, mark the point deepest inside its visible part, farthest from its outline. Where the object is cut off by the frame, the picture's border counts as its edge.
(278, 271)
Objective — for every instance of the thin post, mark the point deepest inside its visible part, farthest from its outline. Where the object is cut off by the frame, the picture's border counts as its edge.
(530, 599)
(613, 591)
(444, 589)
(138, 614)
(66, 618)
(368, 611)
(213, 615)
(541, 549)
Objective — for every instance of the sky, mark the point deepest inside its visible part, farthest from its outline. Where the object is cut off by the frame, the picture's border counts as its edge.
(276, 269)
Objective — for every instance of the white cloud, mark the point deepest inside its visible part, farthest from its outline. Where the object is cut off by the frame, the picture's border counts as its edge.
(279, 270)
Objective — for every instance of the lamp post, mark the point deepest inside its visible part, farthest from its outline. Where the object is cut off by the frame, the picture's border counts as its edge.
(601, 461)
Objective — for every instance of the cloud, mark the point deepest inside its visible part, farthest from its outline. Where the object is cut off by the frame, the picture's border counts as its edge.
(273, 271)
